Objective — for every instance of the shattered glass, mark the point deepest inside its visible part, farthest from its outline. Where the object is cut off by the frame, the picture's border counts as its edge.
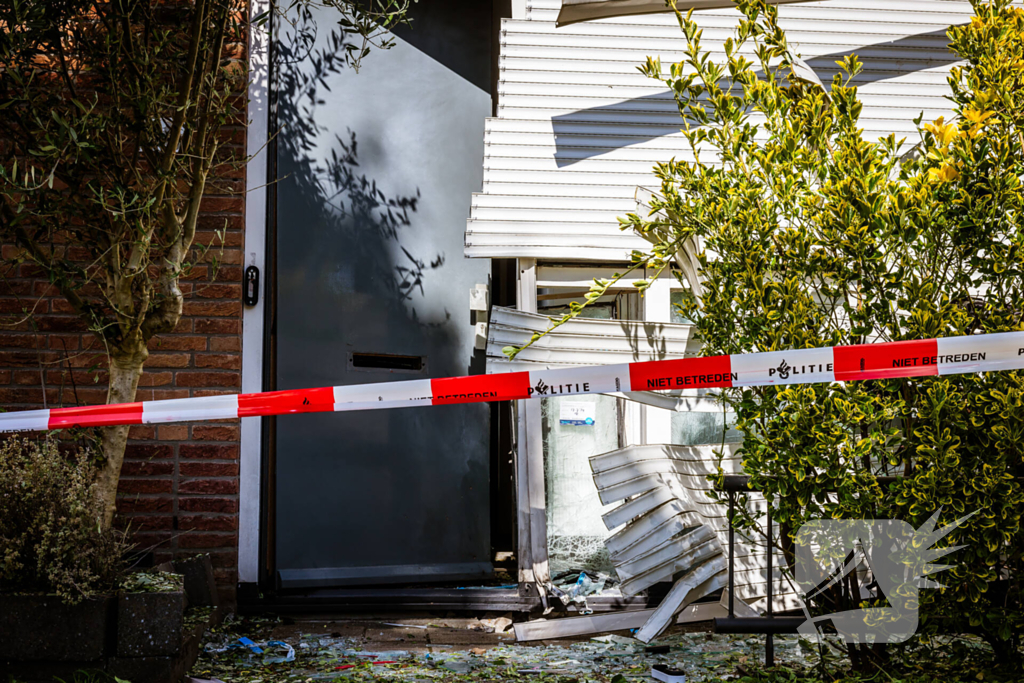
(332, 657)
(698, 428)
(576, 533)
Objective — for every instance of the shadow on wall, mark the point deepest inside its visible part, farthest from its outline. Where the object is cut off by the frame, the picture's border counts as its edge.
(349, 207)
(373, 192)
(882, 61)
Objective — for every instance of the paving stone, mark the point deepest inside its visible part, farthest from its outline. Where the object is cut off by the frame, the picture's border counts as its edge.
(389, 633)
(467, 637)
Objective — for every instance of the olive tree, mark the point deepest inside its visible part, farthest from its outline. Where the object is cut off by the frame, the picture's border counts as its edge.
(111, 117)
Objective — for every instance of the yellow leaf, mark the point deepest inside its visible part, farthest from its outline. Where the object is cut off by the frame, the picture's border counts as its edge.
(944, 174)
(944, 132)
(975, 116)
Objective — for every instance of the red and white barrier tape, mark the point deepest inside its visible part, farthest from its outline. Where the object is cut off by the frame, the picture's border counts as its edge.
(950, 356)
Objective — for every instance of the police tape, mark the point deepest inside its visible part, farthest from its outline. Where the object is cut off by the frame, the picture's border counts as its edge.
(918, 358)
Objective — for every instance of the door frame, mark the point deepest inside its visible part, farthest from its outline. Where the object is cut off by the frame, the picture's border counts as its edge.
(253, 317)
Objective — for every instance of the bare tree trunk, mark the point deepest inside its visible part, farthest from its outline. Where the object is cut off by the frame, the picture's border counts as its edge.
(125, 367)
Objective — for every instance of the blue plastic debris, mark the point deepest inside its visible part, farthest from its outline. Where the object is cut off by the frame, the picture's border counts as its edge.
(251, 645)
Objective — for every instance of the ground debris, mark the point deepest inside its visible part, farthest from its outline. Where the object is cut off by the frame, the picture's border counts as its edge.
(321, 654)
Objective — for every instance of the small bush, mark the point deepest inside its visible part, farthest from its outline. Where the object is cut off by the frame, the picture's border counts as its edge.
(51, 537)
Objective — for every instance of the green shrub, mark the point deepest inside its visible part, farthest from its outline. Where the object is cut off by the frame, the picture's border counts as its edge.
(51, 537)
(813, 235)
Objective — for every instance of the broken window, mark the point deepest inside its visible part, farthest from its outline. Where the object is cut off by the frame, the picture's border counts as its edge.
(575, 428)
(699, 428)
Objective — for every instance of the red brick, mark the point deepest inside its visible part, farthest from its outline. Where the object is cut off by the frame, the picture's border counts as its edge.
(214, 433)
(225, 344)
(90, 397)
(28, 395)
(214, 486)
(207, 540)
(213, 308)
(168, 360)
(63, 342)
(152, 540)
(139, 523)
(23, 306)
(10, 286)
(216, 392)
(135, 468)
(27, 377)
(225, 577)
(219, 326)
(208, 522)
(174, 342)
(173, 432)
(220, 361)
(208, 379)
(91, 361)
(129, 504)
(226, 559)
(155, 379)
(211, 504)
(59, 324)
(144, 486)
(76, 378)
(190, 451)
(210, 222)
(148, 451)
(22, 341)
(139, 432)
(208, 469)
(219, 291)
(221, 204)
(163, 394)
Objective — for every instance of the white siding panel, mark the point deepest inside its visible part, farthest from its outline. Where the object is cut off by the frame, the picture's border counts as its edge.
(579, 128)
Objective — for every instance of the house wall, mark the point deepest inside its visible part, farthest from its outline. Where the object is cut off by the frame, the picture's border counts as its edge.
(578, 128)
(179, 487)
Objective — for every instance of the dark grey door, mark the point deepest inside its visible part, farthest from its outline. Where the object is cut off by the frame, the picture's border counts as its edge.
(376, 172)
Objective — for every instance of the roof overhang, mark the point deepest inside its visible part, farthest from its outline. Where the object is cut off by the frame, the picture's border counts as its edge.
(574, 11)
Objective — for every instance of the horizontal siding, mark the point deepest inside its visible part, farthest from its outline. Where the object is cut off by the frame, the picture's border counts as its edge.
(578, 128)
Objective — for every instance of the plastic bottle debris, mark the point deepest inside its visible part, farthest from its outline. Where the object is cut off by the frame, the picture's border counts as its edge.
(288, 656)
(577, 592)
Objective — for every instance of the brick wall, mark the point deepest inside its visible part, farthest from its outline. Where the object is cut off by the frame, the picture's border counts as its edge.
(179, 485)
